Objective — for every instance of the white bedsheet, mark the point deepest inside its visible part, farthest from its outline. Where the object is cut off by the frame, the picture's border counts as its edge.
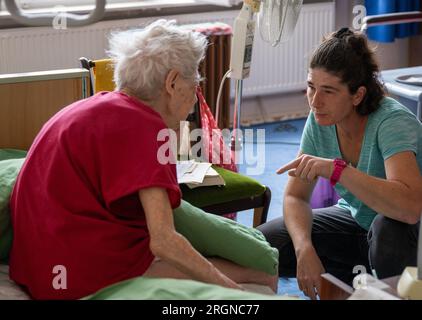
(8, 289)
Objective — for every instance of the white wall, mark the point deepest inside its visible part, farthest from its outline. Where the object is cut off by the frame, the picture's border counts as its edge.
(393, 55)
(272, 108)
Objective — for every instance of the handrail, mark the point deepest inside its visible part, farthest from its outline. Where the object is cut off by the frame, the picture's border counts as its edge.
(39, 20)
(391, 18)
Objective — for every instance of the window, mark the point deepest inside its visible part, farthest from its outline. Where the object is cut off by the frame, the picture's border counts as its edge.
(115, 9)
(37, 4)
(40, 4)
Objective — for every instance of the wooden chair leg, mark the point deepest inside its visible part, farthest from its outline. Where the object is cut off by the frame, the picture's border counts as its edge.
(257, 216)
(261, 213)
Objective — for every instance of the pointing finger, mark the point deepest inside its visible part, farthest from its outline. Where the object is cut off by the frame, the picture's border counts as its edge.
(291, 165)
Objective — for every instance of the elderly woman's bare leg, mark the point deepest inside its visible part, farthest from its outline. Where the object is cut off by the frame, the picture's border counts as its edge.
(239, 274)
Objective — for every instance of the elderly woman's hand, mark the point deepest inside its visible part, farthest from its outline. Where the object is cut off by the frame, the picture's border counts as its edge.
(308, 168)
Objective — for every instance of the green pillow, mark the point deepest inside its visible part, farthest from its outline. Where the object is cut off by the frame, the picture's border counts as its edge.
(214, 235)
(238, 186)
(144, 288)
(9, 170)
(6, 154)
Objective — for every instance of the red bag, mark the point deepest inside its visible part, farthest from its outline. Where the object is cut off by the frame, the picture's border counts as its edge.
(214, 148)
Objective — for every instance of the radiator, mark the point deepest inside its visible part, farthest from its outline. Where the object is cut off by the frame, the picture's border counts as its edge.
(213, 68)
(274, 70)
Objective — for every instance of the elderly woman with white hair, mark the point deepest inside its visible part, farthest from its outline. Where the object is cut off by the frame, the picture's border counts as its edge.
(92, 204)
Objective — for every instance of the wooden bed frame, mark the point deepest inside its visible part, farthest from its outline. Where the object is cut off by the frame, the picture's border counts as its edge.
(28, 100)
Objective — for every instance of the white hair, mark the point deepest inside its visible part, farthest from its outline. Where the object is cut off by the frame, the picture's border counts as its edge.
(143, 57)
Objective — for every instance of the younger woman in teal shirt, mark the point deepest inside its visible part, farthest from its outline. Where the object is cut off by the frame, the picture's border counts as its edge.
(370, 147)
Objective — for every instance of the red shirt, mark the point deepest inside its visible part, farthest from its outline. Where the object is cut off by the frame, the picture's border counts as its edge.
(75, 203)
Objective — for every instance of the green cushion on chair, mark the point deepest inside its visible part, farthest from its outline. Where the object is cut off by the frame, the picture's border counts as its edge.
(237, 187)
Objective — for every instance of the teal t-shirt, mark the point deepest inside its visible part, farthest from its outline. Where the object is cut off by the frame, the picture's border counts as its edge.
(389, 130)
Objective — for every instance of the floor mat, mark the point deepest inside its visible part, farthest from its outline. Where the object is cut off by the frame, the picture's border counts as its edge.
(289, 286)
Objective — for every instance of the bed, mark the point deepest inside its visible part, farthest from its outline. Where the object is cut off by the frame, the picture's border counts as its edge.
(27, 102)
(8, 289)
(248, 247)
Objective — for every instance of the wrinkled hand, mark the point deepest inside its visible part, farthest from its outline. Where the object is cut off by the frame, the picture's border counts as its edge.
(309, 270)
(308, 168)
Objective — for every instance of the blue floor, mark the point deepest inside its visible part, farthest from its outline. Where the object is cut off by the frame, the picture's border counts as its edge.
(282, 141)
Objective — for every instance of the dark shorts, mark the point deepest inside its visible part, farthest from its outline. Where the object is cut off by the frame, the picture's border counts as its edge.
(345, 248)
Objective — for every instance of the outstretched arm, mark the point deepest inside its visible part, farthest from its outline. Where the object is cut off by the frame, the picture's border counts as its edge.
(170, 246)
(397, 197)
